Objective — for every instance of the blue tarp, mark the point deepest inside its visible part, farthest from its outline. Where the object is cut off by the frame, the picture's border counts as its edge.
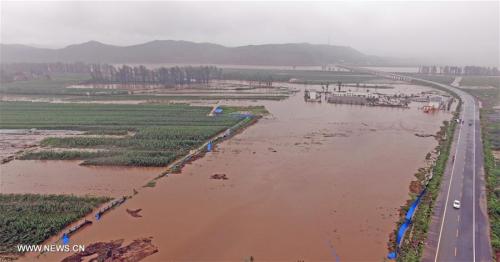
(413, 206)
(392, 255)
(406, 224)
(401, 231)
(218, 110)
(65, 239)
(209, 146)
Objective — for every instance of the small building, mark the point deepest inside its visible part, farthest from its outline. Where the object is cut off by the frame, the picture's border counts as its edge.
(352, 98)
(312, 96)
(436, 102)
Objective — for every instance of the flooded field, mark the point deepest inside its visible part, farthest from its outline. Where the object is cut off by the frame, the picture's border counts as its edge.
(15, 141)
(68, 177)
(310, 182)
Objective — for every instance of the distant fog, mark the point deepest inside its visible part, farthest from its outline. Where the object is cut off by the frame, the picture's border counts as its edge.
(460, 33)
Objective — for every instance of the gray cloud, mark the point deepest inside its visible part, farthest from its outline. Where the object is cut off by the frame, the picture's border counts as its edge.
(439, 32)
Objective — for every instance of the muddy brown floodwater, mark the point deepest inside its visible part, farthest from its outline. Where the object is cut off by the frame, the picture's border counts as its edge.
(68, 177)
(311, 182)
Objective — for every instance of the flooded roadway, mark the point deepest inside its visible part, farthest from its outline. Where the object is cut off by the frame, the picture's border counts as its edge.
(311, 182)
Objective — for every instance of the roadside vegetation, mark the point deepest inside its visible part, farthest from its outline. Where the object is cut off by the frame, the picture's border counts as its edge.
(30, 219)
(413, 242)
(493, 81)
(492, 169)
(161, 132)
(490, 129)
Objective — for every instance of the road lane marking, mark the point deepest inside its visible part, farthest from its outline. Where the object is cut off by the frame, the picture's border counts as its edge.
(460, 93)
(449, 188)
(457, 232)
(474, 187)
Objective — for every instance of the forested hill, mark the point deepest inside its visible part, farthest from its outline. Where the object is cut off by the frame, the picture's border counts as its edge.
(169, 51)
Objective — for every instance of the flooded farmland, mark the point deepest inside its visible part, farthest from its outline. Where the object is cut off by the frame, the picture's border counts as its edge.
(68, 177)
(312, 181)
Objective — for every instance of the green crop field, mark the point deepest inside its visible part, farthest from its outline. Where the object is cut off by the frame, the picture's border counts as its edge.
(30, 219)
(55, 86)
(160, 132)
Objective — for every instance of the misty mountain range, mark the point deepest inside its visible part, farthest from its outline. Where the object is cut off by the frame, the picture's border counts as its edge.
(169, 51)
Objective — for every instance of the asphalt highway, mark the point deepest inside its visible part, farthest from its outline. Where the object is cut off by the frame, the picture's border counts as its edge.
(458, 234)
(461, 234)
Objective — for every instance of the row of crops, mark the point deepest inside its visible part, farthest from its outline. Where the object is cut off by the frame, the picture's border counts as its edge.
(30, 219)
(161, 132)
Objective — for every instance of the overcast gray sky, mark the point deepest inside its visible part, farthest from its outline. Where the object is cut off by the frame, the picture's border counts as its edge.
(442, 32)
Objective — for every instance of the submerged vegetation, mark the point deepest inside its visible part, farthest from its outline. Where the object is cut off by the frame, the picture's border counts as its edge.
(162, 132)
(30, 219)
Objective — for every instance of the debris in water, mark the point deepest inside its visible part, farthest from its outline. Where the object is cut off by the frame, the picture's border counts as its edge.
(219, 176)
(424, 135)
(113, 251)
(134, 213)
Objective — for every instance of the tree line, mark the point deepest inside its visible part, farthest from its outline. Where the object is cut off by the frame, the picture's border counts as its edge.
(108, 74)
(29, 71)
(457, 70)
(103, 73)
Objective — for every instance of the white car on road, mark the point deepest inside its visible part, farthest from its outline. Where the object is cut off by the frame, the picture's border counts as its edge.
(456, 204)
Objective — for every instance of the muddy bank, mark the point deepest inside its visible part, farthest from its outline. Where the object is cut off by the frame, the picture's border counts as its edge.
(16, 141)
(68, 177)
(310, 182)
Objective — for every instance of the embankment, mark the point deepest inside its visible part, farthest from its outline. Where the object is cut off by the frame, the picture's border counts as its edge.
(407, 244)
